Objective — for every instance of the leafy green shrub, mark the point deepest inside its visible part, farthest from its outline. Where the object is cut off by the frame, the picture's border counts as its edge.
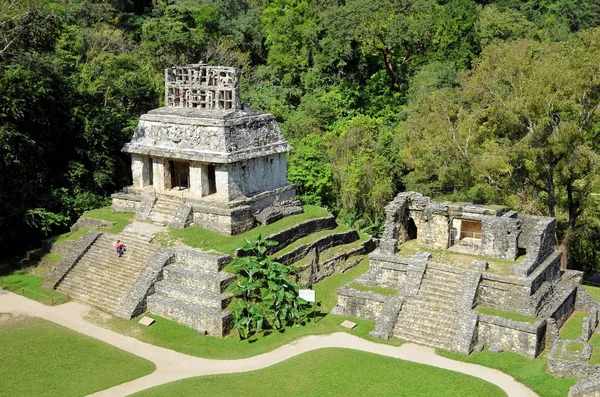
(268, 297)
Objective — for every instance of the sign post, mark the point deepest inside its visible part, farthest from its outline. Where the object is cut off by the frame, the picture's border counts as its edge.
(309, 295)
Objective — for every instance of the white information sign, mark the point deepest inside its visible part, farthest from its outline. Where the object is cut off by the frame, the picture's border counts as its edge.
(308, 295)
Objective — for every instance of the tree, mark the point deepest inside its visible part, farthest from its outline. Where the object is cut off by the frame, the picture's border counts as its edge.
(393, 30)
(524, 122)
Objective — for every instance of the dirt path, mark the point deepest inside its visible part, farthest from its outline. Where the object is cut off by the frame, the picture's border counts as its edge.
(171, 365)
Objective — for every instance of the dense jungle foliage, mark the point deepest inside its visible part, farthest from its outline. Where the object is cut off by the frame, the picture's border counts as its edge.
(484, 101)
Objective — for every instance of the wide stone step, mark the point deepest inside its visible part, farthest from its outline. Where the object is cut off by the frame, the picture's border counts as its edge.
(192, 295)
(432, 340)
(438, 295)
(104, 303)
(95, 297)
(442, 280)
(215, 282)
(203, 319)
(115, 275)
(105, 285)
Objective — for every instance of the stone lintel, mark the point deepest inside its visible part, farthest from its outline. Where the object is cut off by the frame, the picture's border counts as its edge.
(206, 157)
(190, 116)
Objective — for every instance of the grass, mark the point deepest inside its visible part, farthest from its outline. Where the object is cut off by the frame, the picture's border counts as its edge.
(572, 328)
(201, 238)
(593, 291)
(377, 290)
(61, 238)
(340, 372)
(575, 348)
(531, 372)
(171, 335)
(496, 265)
(40, 358)
(122, 219)
(507, 315)
(30, 285)
(595, 342)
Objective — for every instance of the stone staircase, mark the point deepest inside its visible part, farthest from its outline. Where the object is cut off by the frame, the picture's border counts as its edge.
(100, 278)
(168, 212)
(192, 292)
(431, 316)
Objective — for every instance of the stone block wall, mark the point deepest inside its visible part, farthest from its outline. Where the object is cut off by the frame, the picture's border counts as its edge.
(362, 304)
(252, 176)
(523, 338)
(387, 270)
(125, 202)
(540, 244)
(83, 223)
(505, 293)
(432, 226)
(499, 236)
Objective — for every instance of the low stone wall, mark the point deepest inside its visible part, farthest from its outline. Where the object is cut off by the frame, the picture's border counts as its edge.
(564, 310)
(228, 221)
(515, 336)
(84, 223)
(194, 257)
(316, 272)
(125, 202)
(134, 303)
(70, 259)
(296, 232)
(586, 388)
(362, 304)
(585, 302)
(571, 369)
(387, 270)
(205, 321)
(589, 325)
(321, 244)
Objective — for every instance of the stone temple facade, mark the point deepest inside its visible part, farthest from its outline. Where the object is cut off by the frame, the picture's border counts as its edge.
(205, 159)
(458, 274)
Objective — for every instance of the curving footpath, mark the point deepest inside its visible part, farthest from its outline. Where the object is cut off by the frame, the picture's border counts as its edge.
(172, 366)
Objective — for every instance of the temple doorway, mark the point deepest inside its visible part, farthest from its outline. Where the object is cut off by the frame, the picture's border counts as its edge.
(180, 172)
(411, 229)
(212, 181)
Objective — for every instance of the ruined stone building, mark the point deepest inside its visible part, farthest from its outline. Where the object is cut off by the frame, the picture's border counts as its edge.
(451, 268)
(204, 159)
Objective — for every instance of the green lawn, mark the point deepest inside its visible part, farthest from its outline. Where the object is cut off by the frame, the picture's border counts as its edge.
(370, 288)
(593, 291)
(122, 219)
(339, 372)
(507, 315)
(572, 328)
(177, 337)
(201, 238)
(530, 372)
(29, 285)
(40, 358)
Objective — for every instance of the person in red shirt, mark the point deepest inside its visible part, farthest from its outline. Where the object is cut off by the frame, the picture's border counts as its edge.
(120, 248)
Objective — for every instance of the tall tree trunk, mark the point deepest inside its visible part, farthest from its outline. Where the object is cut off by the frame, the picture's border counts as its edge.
(551, 191)
(388, 59)
(574, 211)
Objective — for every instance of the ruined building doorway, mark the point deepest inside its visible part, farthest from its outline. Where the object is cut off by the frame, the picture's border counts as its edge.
(470, 229)
(150, 171)
(212, 181)
(411, 229)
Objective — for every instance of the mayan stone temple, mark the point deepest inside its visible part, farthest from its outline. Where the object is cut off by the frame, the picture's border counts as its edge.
(460, 276)
(205, 159)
